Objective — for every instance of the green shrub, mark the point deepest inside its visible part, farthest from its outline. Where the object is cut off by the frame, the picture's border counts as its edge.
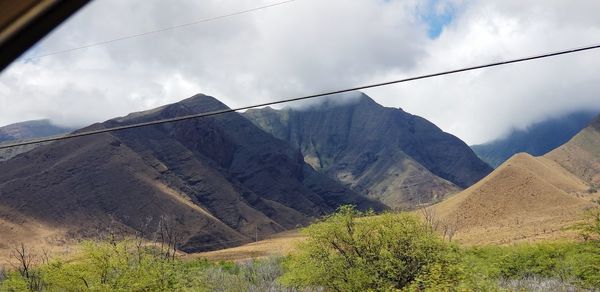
(128, 266)
(568, 262)
(386, 252)
(119, 266)
(255, 275)
(14, 282)
(590, 229)
(105, 266)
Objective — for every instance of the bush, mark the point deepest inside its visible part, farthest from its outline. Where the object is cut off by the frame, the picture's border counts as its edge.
(255, 275)
(386, 252)
(566, 262)
(590, 229)
(113, 266)
(536, 284)
(128, 266)
(120, 266)
(14, 282)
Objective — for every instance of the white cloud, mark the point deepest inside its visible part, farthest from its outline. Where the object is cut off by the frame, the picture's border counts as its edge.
(482, 105)
(308, 46)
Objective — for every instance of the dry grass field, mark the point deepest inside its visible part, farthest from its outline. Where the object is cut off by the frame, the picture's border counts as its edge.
(37, 238)
(279, 244)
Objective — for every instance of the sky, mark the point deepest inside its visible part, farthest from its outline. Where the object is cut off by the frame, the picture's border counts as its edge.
(310, 46)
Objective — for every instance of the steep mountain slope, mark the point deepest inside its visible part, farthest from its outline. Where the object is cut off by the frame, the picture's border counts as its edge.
(27, 130)
(390, 155)
(538, 139)
(220, 179)
(529, 197)
(581, 155)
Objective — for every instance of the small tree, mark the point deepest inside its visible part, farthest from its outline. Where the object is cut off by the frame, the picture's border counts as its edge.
(431, 218)
(169, 236)
(385, 252)
(23, 260)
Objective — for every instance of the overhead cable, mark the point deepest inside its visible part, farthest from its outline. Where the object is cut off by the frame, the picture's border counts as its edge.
(122, 38)
(223, 111)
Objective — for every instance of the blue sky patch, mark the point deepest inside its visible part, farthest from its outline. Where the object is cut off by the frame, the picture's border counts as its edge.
(437, 20)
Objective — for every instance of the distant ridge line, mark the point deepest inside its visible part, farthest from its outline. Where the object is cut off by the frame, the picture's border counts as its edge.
(224, 111)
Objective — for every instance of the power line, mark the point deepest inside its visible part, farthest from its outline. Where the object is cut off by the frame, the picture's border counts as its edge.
(158, 30)
(218, 112)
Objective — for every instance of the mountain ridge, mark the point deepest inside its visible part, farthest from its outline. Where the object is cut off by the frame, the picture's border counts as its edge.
(396, 157)
(537, 139)
(223, 178)
(27, 130)
(30, 129)
(581, 155)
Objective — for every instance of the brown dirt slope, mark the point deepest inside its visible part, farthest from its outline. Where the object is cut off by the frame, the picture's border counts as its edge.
(581, 155)
(277, 245)
(525, 198)
(16, 228)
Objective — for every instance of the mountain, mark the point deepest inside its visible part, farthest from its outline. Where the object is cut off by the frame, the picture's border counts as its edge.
(27, 130)
(581, 155)
(400, 159)
(538, 139)
(30, 129)
(530, 197)
(220, 179)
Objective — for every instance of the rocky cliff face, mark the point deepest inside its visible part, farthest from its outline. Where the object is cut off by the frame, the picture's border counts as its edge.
(223, 179)
(388, 154)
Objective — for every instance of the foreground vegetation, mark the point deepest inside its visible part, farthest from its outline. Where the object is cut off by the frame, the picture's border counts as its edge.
(124, 266)
(344, 252)
(386, 252)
